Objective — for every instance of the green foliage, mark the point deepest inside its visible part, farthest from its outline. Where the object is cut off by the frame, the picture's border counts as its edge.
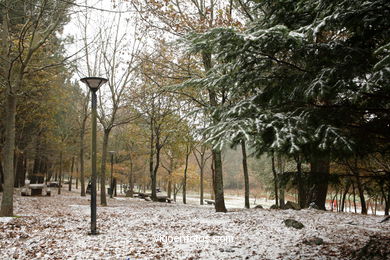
(306, 76)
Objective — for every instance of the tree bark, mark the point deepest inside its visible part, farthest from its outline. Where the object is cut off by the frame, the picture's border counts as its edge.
(1, 175)
(20, 171)
(201, 185)
(185, 176)
(81, 156)
(103, 198)
(71, 175)
(347, 186)
(217, 154)
(60, 174)
(319, 167)
(387, 205)
(246, 173)
(130, 191)
(359, 185)
(302, 196)
(275, 175)
(8, 155)
(218, 182)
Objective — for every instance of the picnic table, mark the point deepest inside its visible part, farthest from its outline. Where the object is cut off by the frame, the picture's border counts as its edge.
(35, 189)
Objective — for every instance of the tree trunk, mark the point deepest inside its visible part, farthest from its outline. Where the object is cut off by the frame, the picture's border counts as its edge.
(354, 197)
(20, 170)
(36, 176)
(302, 196)
(212, 191)
(71, 175)
(174, 192)
(1, 175)
(348, 184)
(319, 167)
(246, 174)
(218, 182)
(151, 160)
(387, 206)
(103, 198)
(275, 175)
(156, 166)
(359, 185)
(81, 156)
(130, 191)
(60, 174)
(7, 202)
(217, 155)
(185, 176)
(201, 185)
(169, 193)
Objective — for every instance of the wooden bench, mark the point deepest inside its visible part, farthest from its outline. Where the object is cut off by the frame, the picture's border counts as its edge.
(210, 202)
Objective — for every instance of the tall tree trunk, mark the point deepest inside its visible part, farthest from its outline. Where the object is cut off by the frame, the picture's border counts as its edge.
(60, 174)
(156, 166)
(174, 192)
(103, 198)
(302, 196)
(130, 191)
(246, 174)
(347, 186)
(387, 205)
(7, 202)
(355, 171)
(1, 175)
(36, 175)
(151, 160)
(361, 192)
(217, 154)
(319, 167)
(81, 156)
(275, 175)
(354, 197)
(185, 176)
(218, 182)
(71, 175)
(201, 185)
(170, 170)
(212, 191)
(169, 193)
(20, 170)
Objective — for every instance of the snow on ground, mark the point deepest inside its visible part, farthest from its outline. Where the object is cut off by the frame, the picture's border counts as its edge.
(56, 228)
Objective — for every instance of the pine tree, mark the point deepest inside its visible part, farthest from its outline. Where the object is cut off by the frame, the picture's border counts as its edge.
(307, 78)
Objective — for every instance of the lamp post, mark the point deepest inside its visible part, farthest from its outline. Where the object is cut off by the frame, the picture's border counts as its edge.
(94, 83)
(112, 168)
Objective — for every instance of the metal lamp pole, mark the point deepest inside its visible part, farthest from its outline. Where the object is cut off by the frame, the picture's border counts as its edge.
(94, 84)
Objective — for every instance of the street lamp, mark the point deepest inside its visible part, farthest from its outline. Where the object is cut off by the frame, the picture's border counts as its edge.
(112, 167)
(94, 83)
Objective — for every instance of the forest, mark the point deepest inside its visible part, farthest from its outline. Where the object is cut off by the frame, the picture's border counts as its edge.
(215, 106)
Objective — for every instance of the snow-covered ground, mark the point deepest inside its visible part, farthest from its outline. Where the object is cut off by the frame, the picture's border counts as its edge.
(56, 228)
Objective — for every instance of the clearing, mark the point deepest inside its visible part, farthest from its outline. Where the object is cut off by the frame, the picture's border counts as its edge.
(56, 228)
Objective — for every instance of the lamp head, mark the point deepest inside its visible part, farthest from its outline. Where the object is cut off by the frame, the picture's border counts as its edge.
(94, 83)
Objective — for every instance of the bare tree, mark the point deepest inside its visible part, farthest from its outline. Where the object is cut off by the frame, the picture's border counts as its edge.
(201, 156)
